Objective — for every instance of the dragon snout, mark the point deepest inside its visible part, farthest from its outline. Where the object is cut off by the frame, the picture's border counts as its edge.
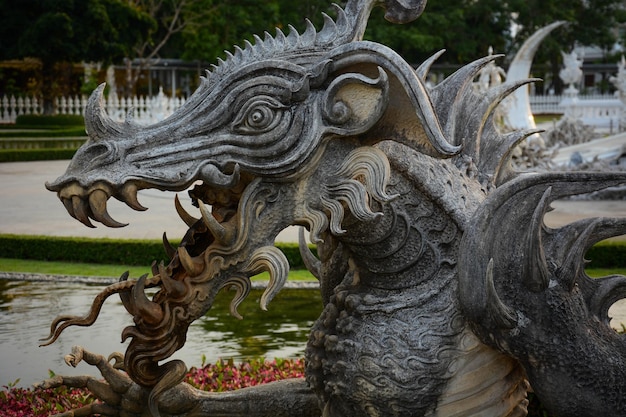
(86, 204)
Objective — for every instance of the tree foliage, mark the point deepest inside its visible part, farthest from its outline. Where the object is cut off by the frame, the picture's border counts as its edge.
(58, 31)
(200, 30)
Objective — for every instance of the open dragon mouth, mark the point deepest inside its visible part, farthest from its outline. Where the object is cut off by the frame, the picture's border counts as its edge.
(218, 251)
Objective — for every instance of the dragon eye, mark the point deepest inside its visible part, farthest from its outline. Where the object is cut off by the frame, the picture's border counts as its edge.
(259, 115)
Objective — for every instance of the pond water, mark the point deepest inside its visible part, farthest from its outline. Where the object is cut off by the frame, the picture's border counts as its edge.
(27, 309)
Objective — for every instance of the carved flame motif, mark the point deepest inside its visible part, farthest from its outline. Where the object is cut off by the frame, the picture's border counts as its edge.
(443, 290)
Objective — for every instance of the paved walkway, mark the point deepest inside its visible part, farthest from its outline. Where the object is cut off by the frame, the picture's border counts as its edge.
(26, 207)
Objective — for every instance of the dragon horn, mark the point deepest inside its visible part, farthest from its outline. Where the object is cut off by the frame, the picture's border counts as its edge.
(98, 123)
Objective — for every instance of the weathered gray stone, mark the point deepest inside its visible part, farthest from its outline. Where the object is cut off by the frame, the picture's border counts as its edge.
(443, 290)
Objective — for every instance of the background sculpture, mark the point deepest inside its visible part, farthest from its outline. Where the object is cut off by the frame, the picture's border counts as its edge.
(444, 292)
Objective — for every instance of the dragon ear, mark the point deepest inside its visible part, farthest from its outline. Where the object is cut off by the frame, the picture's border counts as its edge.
(354, 102)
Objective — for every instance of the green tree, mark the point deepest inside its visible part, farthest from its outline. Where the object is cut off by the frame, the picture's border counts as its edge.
(66, 31)
(466, 29)
(231, 22)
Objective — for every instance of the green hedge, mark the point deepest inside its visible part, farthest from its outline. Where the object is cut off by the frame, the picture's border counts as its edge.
(102, 251)
(47, 122)
(143, 252)
(19, 155)
(49, 132)
(607, 255)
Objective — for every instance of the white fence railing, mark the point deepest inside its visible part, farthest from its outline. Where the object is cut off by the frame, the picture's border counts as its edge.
(549, 104)
(143, 110)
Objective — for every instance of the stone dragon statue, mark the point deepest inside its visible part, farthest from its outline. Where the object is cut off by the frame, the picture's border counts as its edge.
(444, 292)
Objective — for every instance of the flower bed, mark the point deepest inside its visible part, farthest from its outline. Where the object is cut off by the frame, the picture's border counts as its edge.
(221, 376)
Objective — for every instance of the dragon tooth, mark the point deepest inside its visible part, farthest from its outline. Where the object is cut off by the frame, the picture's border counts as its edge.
(169, 249)
(128, 195)
(174, 288)
(81, 211)
(98, 205)
(184, 215)
(221, 234)
(192, 267)
(148, 310)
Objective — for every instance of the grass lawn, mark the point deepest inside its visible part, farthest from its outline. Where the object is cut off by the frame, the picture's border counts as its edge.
(82, 269)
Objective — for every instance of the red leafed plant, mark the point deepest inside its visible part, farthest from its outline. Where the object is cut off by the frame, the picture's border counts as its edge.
(221, 376)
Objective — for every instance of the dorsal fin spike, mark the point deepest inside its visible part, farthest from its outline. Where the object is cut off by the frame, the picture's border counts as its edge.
(258, 40)
(342, 21)
(293, 37)
(238, 53)
(229, 55)
(423, 70)
(247, 45)
(328, 32)
(308, 37)
(280, 37)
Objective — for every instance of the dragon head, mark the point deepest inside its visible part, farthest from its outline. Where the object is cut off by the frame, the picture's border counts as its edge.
(286, 118)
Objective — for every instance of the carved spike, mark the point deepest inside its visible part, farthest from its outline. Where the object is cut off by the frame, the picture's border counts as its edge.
(311, 263)
(186, 217)
(268, 40)
(455, 86)
(170, 251)
(569, 272)
(98, 205)
(239, 55)
(502, 315)
(423, 70)
(221, 234)
(292, 38)
(307, 39)
(500, 165)
(258, 41)
(280, 38)
(153, 268)
(248, 44)
(536, 275)
(609, 290)
(149, 311)
(328, 32)
(342, 22)
(192, 267)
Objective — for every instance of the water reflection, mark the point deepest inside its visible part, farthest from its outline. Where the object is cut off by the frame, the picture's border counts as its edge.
(27, 308)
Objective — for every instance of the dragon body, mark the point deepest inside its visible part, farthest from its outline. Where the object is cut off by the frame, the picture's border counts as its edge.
(444, 293)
